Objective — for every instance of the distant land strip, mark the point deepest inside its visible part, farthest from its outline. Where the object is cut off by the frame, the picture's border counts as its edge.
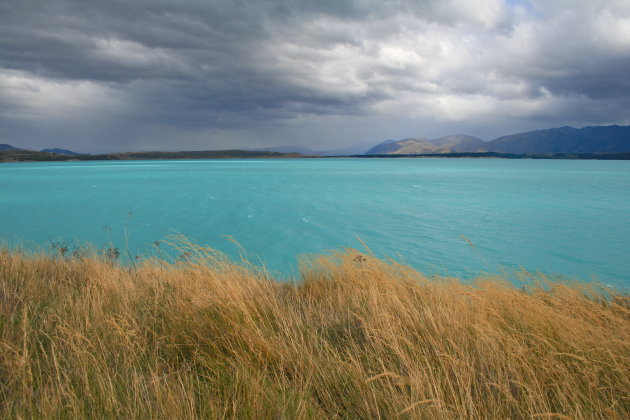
(34, 156)
(496, 155)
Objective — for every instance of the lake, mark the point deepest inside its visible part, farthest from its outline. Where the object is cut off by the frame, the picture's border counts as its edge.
(568, 217)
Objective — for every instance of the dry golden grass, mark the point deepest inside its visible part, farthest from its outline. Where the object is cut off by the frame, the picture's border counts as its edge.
(356, 337)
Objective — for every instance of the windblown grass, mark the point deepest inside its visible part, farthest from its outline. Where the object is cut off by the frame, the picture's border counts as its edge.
(356, 337)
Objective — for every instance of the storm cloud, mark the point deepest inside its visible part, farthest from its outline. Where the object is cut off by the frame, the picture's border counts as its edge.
(172, 75)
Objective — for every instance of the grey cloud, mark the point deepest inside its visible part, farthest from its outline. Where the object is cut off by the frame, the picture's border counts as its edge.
(265, 67)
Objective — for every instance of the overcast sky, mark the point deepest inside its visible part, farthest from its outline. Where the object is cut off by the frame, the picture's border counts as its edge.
(122, 75)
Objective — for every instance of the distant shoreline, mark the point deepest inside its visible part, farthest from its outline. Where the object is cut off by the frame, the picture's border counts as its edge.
(34, 156)
(495, 155)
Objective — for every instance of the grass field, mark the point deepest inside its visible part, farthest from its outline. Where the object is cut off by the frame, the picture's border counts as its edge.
(354, 337)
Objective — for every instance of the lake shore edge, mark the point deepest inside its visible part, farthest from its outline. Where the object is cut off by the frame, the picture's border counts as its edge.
(35, 156)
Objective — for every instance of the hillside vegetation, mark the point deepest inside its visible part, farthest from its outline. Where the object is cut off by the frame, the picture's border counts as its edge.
(354, 337)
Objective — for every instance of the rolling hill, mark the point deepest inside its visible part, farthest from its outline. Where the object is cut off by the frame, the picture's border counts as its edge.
(602, 139)
(6, 147)
(592, 139)
(61, 152)
(459, 143)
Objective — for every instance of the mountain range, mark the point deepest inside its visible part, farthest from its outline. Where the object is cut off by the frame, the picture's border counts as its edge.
(562, 140)
(459, 143)
(7, 147)
(62, 152)
(598, 139)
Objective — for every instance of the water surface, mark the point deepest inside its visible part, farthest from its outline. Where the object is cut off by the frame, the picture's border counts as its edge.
(558, 216)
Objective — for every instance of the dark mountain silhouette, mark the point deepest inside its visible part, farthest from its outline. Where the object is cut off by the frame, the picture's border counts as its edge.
(62, 152)
(601, 139)
(8, 147)
(613, 139)
(598, 139)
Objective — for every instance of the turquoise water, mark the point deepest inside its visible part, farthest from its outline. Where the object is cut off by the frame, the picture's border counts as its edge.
(557, 216)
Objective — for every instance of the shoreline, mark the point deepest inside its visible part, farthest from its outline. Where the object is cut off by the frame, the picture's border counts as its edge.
(33, 156)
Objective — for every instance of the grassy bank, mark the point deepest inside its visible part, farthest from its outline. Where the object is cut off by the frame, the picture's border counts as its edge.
(355, 338)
